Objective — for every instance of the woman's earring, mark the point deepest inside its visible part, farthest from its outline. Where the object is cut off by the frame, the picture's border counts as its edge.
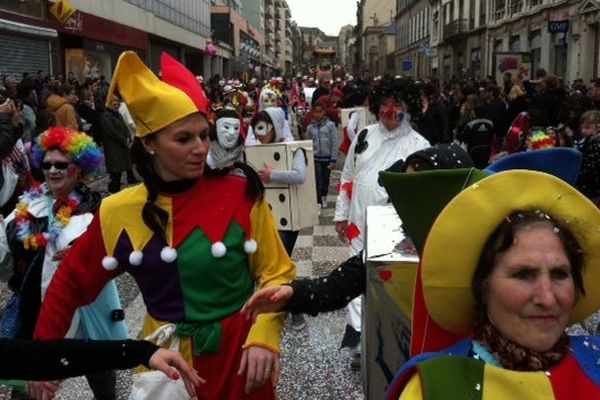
(151, 152)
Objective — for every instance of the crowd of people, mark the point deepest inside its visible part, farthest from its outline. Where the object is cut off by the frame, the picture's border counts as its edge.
(200, 241)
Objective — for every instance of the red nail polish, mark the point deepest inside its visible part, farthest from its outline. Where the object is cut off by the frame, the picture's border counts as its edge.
(175, 376)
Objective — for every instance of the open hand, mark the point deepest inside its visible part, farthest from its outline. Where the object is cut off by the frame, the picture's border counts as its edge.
(169, 362)
(266, 300)
(265, 174)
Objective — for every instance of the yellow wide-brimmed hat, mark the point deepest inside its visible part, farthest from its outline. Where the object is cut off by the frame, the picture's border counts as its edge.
(457, 237)
(154, 103)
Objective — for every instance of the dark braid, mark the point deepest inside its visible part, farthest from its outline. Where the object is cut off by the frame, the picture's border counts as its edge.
(154, 217)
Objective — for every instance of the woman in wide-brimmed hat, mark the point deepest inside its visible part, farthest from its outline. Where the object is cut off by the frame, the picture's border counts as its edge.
(508, 264)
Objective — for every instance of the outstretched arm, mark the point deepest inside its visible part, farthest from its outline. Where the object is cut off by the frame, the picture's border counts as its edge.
(312, 296)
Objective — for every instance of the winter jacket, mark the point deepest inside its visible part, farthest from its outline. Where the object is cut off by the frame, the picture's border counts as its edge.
(63, 111)
(116, 141)
(324, 137)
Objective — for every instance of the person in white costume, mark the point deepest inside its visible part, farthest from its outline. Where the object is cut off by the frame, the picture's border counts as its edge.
(227, 142)
(268, 99)
(374, 149)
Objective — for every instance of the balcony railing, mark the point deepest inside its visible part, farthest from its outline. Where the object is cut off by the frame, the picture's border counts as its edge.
(456, 28)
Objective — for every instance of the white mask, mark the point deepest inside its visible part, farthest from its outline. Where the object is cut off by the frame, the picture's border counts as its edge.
(262, 128)
(228, 132)
(268, 99)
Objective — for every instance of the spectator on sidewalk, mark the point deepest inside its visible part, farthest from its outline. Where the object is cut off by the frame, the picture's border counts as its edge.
(61, 103)
(117, 141)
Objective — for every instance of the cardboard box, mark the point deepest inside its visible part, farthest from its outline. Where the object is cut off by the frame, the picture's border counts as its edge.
(294, 206)
(391, 264)
(345, 116)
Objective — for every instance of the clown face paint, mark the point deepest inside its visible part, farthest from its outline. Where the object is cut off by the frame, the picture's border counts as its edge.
(228, 132)
(391, 113)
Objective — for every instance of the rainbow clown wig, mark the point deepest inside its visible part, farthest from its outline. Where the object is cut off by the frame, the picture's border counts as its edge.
(78, 147)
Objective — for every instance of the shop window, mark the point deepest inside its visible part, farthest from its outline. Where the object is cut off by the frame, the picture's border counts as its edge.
(499, 9)
(535, 45)
(516, 6)
(498, 44)
(515, 43)
(30, 8)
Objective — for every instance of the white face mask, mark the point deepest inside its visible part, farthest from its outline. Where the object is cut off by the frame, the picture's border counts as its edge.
(269, 100)
(228, 132)
(262, 128)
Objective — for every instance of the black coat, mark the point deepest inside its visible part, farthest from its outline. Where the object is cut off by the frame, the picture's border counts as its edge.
(115, 136)
(59, 359)
(331, 292)
(588, 181)
(434, 123)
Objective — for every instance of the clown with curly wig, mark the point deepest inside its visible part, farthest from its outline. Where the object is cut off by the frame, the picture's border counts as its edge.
(375, 149)
(39, 232)
(79, 148)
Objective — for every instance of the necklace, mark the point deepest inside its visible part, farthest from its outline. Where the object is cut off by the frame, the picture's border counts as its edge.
(56, 221)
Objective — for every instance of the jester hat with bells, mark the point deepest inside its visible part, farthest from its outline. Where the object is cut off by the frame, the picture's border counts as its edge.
(155, 104)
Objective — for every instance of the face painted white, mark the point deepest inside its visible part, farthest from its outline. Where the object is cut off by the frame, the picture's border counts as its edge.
(228, 132)
(262, 128)
(268, 99)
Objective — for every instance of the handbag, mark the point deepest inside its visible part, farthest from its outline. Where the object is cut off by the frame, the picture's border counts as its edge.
(155, 384)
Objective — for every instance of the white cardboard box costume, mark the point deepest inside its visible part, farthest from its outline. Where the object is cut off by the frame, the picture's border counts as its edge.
(391, 271)
(294, 206)
(345, 116)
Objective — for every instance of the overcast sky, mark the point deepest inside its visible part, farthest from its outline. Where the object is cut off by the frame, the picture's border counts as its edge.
(328, 15)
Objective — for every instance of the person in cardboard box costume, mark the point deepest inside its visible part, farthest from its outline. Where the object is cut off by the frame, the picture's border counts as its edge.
(197, 242)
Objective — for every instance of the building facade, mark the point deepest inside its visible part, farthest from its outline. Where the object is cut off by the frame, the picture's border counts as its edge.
(372, 15)
(413, 54)
(347, 48)
(311, 39)
(90, 41)
(231, 29)
(468, 37)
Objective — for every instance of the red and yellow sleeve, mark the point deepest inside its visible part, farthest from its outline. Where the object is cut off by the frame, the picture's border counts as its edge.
(77, 282)
(270, 265)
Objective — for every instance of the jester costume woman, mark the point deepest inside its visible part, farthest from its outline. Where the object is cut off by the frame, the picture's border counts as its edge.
(219, 245)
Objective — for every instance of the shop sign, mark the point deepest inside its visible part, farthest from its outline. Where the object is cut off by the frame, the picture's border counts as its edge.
(62, 10)
(558, 26)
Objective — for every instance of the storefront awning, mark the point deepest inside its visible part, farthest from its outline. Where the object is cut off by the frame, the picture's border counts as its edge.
(27, 29)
